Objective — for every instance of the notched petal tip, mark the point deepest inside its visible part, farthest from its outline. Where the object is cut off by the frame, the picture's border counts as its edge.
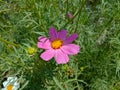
(39, 44)
(71, 49)
(52, 30)
(52, 33)
(62, 62)
(71, 38)
(47, 55)
(44, 43)
(61, 57)
(62, 34)
(42, 39)
(74, 35)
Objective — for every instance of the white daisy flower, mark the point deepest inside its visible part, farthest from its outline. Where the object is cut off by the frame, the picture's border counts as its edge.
(11, 84)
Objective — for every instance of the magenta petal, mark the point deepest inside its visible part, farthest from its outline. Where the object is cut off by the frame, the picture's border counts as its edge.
(52, 33)
(48, 54)
(42, 39)
(71, 38)
(39, 45)
(61, 57)
(43, 43)
(70, 49)
(62, 34)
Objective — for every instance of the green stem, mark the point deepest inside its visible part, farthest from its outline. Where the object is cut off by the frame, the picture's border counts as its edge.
(4, 10)
(78, 11)
(6, 42)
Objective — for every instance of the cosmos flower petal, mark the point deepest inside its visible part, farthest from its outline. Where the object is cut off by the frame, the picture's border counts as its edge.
(60, 57)
(48, 54)
(52, 33)
(42, 39)
(62, 34)
(44, 45)
(71, 38)
(70, 49)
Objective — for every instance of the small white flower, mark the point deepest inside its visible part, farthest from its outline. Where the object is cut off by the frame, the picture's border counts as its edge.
(11, 84)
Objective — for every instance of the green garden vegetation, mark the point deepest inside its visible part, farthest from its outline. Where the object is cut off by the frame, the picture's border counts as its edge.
(95, 67)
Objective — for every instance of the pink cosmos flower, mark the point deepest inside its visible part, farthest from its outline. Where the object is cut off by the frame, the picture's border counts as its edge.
(58, 45)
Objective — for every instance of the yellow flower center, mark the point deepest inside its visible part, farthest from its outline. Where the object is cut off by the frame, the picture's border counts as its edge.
(9, 87)
(56, 44)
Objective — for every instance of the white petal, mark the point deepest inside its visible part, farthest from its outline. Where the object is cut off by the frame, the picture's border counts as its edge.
(3, 89)
(16, 84)
(15, 88)
(10, 78)
(5, 83)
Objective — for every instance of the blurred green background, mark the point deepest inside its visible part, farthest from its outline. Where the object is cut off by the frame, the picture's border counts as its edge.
(97, 22)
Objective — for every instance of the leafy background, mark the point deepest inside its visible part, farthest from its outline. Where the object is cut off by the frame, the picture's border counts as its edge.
(97, 22)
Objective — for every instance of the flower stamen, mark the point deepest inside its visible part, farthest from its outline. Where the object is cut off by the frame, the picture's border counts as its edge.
(9, 87)
(56, 44)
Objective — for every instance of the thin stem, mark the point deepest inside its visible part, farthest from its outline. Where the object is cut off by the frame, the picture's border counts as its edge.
(78, 11)
(5, 41)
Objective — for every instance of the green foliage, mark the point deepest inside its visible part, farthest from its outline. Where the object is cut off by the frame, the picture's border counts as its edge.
(97, 22)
